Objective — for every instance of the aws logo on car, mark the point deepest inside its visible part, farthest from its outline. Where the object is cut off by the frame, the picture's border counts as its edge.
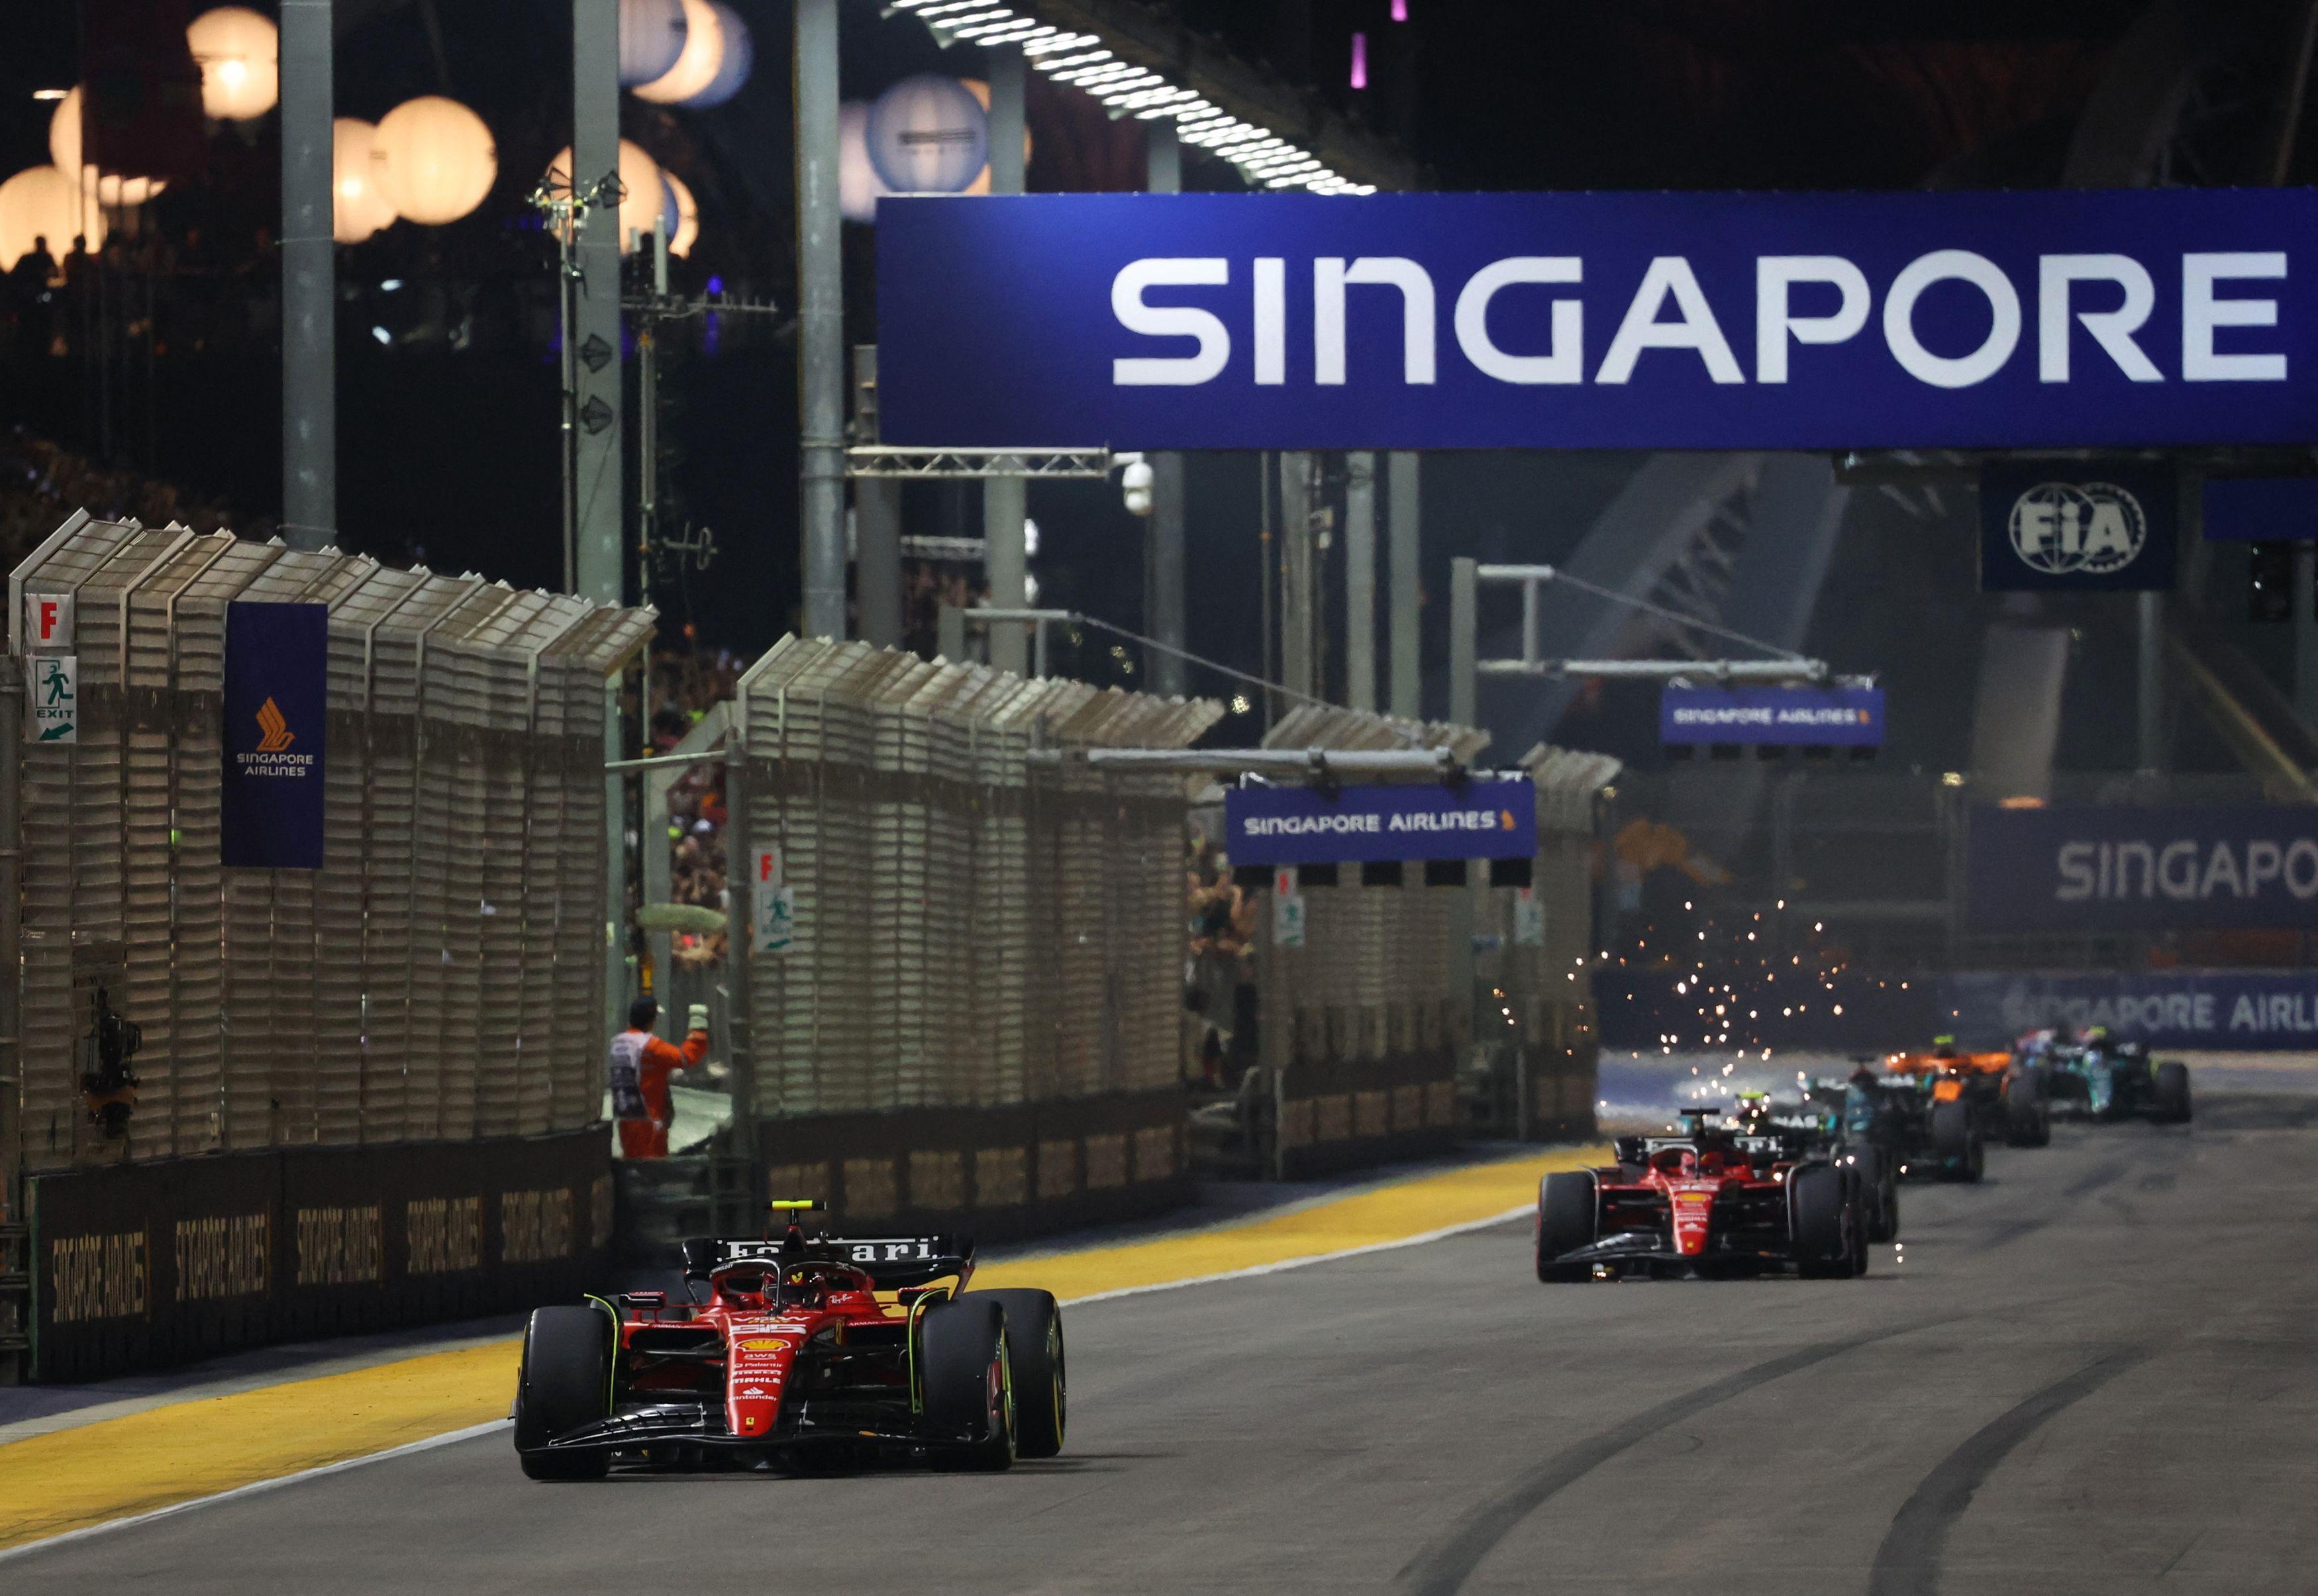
(2078, 528)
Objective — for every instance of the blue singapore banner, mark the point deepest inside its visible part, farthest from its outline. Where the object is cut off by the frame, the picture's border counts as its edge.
(2239, 1009)
(276, 699)
(2125, 868)
(1795, 717)
(1474, 820)
(2053, 526)
(2047, 320)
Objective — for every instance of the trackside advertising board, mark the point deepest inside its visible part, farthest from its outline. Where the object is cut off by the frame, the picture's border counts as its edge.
(2261, 509)
(277, 697)
(2013, 320)
(1795, 717)
(1476, 820)
(2126, 868)
(2239, 1009)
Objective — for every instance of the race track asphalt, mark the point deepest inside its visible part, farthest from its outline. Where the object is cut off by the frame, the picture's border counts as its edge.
(2096, 1372)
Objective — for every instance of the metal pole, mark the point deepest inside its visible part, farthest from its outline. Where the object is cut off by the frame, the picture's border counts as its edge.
(1464, 681)
(595, 310)
(310, 432)
(1407, 580)
(1296, 565)
(648, 441)
(877, 519)
(1267, 574)
(2306, 633)
(1464, 623)
(1005, 500)
(1359, 580)
(598, 568)
(739, 858)
(1165, 559)
(2151, 617)
(821, 323)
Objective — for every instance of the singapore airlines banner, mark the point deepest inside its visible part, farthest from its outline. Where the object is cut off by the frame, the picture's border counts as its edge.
(2124, 867)
(2042, 320)
(277, 697)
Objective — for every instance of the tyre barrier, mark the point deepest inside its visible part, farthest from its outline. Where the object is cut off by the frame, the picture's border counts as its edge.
(143, 1266)
(999, 1173)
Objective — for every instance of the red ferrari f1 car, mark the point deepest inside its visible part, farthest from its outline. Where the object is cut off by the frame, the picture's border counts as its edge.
(800, 1351)
(1717, 1201)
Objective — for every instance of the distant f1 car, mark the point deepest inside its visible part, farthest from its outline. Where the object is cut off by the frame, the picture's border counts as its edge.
(1816, 1125)
(2109, 1078)
(1933, 1114)
(1716, 1201)
(805, 1349)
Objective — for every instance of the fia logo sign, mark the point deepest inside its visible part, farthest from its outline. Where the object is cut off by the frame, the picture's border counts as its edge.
(2078, 528)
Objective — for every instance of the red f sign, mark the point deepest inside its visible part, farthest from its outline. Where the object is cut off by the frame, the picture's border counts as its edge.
(49, 620)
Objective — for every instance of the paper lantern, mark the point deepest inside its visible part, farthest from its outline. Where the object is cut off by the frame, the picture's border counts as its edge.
(981, 93)
(651, 37)
(858, 187)
(643, 201)
(43, 203)
(64, 148)
(433, 159)
(357, 209)
(688, 215)
(696, 67)
(928, 135)
(240, 55)
(733, 67)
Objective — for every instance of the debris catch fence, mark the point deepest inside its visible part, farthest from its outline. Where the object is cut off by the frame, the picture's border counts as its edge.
(973, 999)
(363, 1095)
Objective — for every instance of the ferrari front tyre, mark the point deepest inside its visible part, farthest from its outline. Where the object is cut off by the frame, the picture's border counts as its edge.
(2169, 1094)
(1566, 1220)
(1033, 1354)
(564, 1382)
(969, 1391)
(1821, 1223)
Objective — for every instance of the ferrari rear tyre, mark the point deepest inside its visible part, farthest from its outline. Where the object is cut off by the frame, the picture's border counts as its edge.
(1034, 1355)
(565, 1382)
(1567, 1219)
(969, 1385)
(1823, 1224)
(1957, 1142)
(2028, 1108)
(2169, 1094)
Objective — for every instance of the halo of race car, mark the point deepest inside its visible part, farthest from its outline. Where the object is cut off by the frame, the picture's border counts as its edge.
(1803, 1185)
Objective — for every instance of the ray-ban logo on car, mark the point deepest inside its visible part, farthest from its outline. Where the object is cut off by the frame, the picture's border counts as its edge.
(2067, 528)
(278, 735)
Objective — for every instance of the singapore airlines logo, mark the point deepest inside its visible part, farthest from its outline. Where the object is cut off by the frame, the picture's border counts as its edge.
(278, 735)
(271, 756)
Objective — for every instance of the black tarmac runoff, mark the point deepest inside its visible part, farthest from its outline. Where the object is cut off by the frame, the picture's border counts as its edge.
(2096, 1372)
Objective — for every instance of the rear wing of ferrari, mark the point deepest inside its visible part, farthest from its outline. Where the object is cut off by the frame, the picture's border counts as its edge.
(893, 1263)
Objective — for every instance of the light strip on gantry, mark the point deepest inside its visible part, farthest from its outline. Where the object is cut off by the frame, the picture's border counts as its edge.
(1127, 89)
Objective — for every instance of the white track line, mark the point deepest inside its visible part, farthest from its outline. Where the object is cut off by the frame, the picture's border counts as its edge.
(469, 1433)
(497, 1424)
